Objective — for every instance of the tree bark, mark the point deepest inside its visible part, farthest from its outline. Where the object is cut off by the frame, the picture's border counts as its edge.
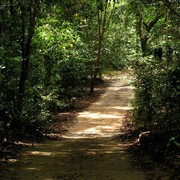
(102, 23)
(26, 49)
(145, 37)
(144, 41)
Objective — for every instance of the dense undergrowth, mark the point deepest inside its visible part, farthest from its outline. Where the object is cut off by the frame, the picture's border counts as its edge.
(156, 112)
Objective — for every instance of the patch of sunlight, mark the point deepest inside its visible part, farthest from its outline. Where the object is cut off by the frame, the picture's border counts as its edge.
(41, 153)
(108, 152)
(32, 168)
(122, 107)
(52, 154)
(12, 160)
(89, 131)
(93, 132)
(114, 88)
(91, 153)
(105, 127)
(98, 115)
(96, 130)
(127, 87)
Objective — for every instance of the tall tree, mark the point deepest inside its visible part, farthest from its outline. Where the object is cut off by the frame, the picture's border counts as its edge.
(18, 23)
(104, 13)
(28, 15)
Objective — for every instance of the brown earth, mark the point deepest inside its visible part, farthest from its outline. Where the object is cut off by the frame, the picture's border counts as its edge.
(91, 148)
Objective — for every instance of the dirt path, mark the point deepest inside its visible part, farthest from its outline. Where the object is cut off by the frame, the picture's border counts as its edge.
(90, 151)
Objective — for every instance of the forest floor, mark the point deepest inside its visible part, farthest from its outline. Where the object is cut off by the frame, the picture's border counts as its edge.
(88, 143)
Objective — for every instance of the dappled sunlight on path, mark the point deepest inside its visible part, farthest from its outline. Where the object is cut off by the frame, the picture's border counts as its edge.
(90, 151)
(104, 118)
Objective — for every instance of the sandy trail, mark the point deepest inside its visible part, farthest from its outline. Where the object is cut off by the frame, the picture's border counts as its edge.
(90, 150)
(105, 116)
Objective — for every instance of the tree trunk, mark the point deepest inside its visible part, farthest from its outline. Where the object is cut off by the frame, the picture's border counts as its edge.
(101, 29)
(144, 41)
(25, 48)
(147, 27)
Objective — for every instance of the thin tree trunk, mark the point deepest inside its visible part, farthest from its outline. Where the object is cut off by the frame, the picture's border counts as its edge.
(97, 63)
(101, 29)
(25, 48)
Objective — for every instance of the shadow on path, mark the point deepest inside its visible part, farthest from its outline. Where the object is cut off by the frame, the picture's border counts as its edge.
(89, 151)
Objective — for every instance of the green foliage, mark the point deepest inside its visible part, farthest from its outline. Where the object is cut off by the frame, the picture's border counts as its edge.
(120, 42)
(69, 39)
(64, 54)
(156, 102)
(157, 96)
(143, 109)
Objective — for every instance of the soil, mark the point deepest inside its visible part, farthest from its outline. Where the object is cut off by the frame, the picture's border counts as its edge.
(88, 144)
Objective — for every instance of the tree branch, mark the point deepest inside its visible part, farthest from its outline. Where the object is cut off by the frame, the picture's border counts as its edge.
(109, 19)
(169, 7)
(152, 23)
